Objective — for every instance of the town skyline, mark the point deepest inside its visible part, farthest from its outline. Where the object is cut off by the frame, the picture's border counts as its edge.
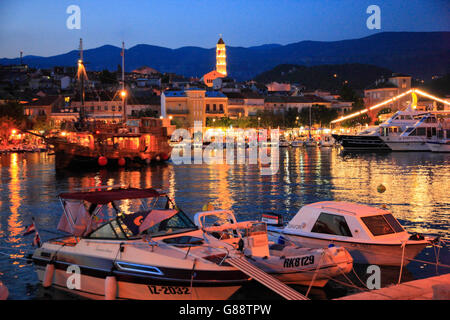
(241, 24)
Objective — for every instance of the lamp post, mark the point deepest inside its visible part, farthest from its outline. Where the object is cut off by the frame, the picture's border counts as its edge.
(123, 94)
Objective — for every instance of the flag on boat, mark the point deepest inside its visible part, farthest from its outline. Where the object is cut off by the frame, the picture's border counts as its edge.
(37, 240)
(30, 229)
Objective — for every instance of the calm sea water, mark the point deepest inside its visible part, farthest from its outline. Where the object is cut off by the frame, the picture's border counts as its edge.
(417, 192)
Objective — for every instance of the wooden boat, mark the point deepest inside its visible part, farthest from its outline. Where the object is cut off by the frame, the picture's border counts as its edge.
(114, 148)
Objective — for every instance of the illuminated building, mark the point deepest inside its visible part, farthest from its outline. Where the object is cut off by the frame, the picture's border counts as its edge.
(193, 104)
(221, 58)
(221, 65)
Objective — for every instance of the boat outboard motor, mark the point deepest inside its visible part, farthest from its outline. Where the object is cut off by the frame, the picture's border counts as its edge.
(255, 241)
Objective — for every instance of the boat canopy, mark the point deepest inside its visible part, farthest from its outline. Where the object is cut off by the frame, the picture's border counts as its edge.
(107, 196)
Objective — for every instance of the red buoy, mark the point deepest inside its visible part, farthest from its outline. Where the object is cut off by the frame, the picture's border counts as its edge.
(102, 161)
(164, 156)
(121, 162)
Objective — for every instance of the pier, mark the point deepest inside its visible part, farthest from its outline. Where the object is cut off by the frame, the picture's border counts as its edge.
(434, 288)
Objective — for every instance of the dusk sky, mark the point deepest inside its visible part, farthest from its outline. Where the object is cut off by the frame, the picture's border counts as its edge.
(39, 27)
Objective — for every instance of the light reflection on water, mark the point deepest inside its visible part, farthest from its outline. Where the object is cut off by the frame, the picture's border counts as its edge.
(417, 192)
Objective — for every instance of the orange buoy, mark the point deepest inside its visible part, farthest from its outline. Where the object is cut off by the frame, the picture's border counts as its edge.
(121, 162)
(102, 161)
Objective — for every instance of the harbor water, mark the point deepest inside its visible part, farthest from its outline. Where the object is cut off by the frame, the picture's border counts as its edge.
(417, 193)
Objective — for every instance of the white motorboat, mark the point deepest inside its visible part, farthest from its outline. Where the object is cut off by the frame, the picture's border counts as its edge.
(286, 262)
(326, 142)
(371, 235)
(297, 143)
(395, 134)
(124, 247)
(415, 137)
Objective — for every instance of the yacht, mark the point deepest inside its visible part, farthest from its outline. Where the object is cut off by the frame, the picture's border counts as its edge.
(371, 139)
(285, 261)
(129, 243)
(416, 137)
(371, 235)
(442, 141)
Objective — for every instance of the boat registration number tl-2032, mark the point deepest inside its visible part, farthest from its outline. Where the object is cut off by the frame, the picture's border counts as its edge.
(168, 290)
(298, 261)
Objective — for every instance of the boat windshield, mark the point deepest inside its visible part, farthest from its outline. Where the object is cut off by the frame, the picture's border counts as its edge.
(126, 227)
(382, 224)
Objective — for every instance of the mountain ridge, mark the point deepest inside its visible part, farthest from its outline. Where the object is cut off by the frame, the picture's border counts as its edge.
(421, 54)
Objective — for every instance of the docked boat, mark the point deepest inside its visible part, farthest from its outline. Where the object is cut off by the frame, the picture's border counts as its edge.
(127, 243)
(115, 148)
(371, 139)
(371, 235)
(284, 143)
(326, 142)
(310, 142)
(297, 143)
(415, 137)
(287, 262)
(407, 130)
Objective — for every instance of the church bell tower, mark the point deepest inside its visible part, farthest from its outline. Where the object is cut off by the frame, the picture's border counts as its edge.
(221, 58)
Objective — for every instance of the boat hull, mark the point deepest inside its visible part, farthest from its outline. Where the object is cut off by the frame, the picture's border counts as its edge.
(140, 289)
(365, 253)
(355, 143)
(305, 264)
(439, 146)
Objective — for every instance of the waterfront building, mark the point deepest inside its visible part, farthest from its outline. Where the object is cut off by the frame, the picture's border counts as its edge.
(193, 104)
(384, 89)
(280, 104)
(244, 104)
(43, 107)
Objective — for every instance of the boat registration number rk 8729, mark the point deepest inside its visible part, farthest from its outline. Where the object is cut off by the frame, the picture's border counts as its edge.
(168, 290)
(298, 262)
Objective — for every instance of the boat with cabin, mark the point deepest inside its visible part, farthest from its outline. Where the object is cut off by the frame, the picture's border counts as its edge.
(442, 141)
(371, 235)
(129, 243)
(287, 262)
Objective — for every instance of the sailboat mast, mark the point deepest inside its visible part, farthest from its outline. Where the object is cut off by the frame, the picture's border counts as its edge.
(123, 93)
(81, 75)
